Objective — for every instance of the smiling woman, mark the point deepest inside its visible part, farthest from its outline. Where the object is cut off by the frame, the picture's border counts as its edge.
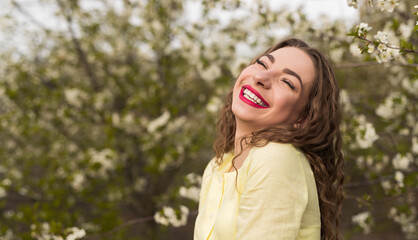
(279, 135)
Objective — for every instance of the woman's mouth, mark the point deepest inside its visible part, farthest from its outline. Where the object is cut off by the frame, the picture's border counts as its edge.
(250, 96)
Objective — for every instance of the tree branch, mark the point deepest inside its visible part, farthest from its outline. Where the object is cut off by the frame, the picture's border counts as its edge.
(388, 46)
(28, 15)
(370, 64)
(82, 56)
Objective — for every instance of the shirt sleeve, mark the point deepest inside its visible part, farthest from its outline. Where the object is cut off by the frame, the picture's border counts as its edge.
(275, 194)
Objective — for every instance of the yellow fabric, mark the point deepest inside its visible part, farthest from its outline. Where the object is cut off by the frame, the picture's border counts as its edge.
(277, 197)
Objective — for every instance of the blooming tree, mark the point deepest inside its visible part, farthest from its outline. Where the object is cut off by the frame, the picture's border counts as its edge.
(107, 120)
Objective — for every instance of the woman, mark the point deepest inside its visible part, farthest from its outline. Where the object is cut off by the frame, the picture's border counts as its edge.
(277, 173)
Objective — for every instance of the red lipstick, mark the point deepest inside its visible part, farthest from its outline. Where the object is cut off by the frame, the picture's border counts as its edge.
(262, 104)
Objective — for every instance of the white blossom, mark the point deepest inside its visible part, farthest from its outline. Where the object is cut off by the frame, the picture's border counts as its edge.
(75, 96)
(105, 158)
(381, 37)
(381, 4)
(406, 29)
(386, 185)
(365, 132)
(410, 86)
(402, 162)
(169, 216)
(78, 181)
(414, 147)
(3, 192)
(140, 184)
(214, 105)
(352, 3)
(6, 182)
(363, 28)
(393, 106)
(381, 47)
(43, 233)
(75, 233)
(194, 178)
(190, 193)
(390, 5)
(399, 177)
(345, 100)
(408, 222)
(404, 132)
(370, 48)
(9, 235)
(160, 218)
(158, 122)
(361, 220)
(209, 73)
(355, 50)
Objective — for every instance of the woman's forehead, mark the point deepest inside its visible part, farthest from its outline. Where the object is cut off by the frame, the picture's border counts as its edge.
(295, 59)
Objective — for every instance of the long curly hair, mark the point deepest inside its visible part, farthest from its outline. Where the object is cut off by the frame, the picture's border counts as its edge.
(318, 136)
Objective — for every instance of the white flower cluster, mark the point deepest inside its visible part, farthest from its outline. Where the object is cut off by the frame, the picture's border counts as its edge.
(214, 105)
(402, 162)
(192, 191)
(105, 158)
(408, 222)
(387, 5)
(364, 132)
(363, 28)
(383, 53)
(193, 178)
(363, 220)
(78, 181)
(382, 37)
(75, 233)
(9, 235)
(410, 85)
(43, 233)
(346, 102)
(414, 147)
(375, 164)
(352, 3)
(168, 216)
(3, 192)
(75, 96)
(399, 178)
(393, 106)
(158, 122)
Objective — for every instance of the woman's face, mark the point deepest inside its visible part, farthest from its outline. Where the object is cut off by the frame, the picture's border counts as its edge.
(273, 90)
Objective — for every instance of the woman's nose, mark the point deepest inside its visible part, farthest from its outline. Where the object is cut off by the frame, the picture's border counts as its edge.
(262, 79)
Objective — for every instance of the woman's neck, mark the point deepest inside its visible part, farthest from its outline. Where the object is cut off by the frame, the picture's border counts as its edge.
(241, 131)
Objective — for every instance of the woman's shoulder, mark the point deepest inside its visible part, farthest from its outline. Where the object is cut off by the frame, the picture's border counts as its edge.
(277, 157)
(277, 150)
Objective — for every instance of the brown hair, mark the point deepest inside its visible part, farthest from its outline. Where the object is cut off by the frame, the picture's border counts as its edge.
(318, 136)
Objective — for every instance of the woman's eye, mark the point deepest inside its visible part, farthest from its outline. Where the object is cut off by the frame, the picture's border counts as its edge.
(261, 63)
(289, 84)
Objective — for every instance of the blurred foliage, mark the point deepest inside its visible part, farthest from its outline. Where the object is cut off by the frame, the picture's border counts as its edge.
(103, 118)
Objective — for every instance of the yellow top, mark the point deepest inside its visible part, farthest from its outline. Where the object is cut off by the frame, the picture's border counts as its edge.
(277, 197)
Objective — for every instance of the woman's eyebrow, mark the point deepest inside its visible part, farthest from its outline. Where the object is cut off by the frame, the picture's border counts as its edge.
(286, 70)
(271, 58)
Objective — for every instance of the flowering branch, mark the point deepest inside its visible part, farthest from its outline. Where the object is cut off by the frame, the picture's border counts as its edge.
(370, 64)
(401, 49)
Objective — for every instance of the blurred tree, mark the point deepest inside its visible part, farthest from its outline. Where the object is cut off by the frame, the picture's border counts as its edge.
(107, 122)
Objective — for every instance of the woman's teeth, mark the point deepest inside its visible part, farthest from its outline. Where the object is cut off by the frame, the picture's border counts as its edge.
(253, 98)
